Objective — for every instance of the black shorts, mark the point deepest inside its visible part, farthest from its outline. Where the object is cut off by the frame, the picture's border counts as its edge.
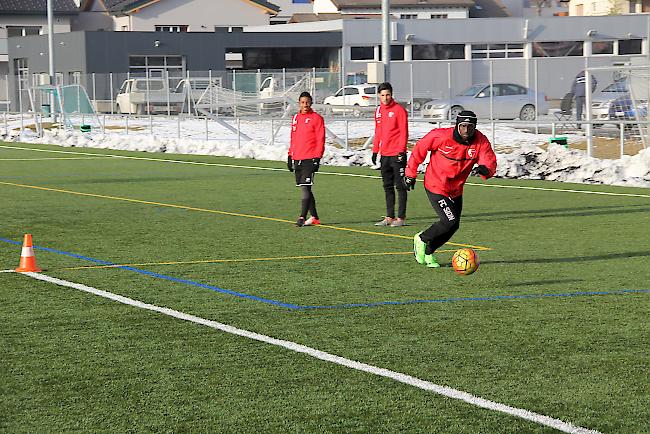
(305, 171)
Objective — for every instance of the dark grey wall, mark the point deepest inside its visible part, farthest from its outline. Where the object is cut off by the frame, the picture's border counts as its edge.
(103, 52)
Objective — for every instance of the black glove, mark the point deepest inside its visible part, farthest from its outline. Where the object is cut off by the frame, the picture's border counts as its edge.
(316, 164)
(290, 163)
(374, 158)
(482, 170)
(409, 182)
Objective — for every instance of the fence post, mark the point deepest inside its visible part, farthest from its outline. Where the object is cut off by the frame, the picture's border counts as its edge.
(104, 124)
(151, 124)
(110, 75)
(553, 129)
(127, 124)
(536, 97)
(347, 143)
(411, 86)
(207, 131)
(210, 87)
(179, 125)
(272, 133)
(622, 138)
(238, 134)
(94, 92)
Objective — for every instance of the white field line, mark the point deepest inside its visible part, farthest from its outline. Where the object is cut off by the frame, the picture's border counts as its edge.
(235, 166)
(7, 271)
(397, 376)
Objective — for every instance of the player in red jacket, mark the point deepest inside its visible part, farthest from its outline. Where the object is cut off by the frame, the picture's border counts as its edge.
(453, 153)
(391, 135)
(305, 151)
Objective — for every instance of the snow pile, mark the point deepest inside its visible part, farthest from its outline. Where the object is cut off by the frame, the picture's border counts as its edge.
(526, 161)
(571, 165)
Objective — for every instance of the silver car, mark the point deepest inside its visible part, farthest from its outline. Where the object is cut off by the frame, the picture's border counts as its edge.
(509, 101)
(602, 100)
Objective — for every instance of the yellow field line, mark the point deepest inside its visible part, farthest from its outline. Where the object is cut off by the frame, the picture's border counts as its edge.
(215, 261)
(190, 208)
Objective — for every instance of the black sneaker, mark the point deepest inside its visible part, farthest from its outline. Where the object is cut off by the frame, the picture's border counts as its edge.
(300, 222)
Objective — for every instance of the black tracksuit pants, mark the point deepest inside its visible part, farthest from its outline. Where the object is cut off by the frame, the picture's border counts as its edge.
(448, 210)
(392, 173)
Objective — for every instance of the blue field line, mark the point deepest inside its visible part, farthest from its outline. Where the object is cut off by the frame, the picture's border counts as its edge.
(334, 306)
(162, 276)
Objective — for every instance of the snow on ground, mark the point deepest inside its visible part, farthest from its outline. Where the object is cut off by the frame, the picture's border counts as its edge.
(524, 159)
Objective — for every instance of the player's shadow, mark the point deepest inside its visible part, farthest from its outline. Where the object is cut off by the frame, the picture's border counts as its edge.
(590, 258)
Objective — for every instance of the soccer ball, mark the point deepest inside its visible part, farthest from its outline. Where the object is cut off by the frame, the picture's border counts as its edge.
(465, 261)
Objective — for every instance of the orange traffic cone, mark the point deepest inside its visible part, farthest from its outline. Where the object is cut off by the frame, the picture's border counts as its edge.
(27, 258)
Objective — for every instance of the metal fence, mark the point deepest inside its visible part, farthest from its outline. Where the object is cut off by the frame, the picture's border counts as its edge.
(498, 90)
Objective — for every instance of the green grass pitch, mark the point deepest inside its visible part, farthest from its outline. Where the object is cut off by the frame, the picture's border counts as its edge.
(555, 321)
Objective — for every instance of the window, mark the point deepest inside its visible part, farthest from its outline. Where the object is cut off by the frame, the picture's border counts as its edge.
(438, 51)
(350, 91)
(558, 49)
(370, 90)
(510, 89)
(497, 51)
(229, 29)
(362, 53)
(301, 1)
(629, 46)
(396, 52)
(438, 16)
(23, 31)
(408, 16)
(172, 67)
(172, 29)
(602, 47)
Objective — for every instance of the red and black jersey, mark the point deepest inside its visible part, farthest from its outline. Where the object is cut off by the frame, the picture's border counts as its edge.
(391, 129)
(450, 162)
(307, 136)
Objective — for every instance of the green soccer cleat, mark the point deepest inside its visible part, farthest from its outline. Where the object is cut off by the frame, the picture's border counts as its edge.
(419, 248)
(431, 261)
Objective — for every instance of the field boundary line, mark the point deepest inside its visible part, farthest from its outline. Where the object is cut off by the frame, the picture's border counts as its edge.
(355, 175)
(332, 358)
(52, 158)
(228, 213)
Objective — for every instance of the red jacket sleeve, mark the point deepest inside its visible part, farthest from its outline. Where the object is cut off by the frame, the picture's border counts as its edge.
(377, 139)
(487, 158)
(293, 135)
(320, 136)
(404, 128)
(420, 151)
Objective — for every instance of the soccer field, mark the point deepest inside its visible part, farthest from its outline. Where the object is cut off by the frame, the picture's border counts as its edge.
(177, 295)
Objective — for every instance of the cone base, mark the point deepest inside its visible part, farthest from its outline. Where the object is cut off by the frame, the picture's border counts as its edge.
(23, 270)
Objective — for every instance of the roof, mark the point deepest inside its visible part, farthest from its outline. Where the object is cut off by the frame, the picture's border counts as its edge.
(358, 4)
(124, 7)
(310, 18)
(37, 7)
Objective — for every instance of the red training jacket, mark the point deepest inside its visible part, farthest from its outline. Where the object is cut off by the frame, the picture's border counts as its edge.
(307, 136)
(450, 162)
(391, 129)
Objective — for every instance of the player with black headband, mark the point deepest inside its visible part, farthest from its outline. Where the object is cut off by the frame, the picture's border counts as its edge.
(305, 151)
(453, 152)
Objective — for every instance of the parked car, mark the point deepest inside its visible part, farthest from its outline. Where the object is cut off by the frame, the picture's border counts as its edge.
(147, 95)
(346, 98)
(510, 101)
(601, 100)
(624, 108)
